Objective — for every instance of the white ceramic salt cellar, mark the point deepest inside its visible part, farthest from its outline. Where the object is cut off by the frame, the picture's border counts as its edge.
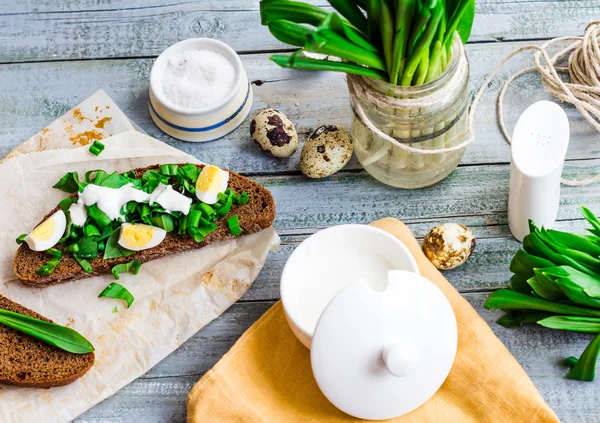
(538, 149)
(380, 348)
(207, 123)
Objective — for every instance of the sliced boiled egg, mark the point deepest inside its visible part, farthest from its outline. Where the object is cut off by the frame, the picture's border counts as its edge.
(211, 181)
(137, 236)
(47, 234)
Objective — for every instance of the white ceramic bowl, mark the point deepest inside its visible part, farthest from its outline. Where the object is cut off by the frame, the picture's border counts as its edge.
(208, 123)
(329, 260)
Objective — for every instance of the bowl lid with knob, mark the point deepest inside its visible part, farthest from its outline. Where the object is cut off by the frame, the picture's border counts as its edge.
(381, 354)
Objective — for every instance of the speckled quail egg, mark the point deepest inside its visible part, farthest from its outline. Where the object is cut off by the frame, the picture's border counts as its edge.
(449, 245)
(274, 133)
(326, 151)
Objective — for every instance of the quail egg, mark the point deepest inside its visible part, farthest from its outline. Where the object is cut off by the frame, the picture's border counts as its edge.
(326, 151)
(274, 133)
(449, 245)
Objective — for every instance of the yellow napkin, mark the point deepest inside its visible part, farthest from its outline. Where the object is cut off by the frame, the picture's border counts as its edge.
(266, 376)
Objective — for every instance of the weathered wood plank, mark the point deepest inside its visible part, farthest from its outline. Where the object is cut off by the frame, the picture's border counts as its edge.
(35, 94)
(160, 395)
(476, 191)
(110, 29)
(487, 268)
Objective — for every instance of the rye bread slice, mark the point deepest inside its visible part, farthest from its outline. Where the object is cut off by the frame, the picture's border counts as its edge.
(27, 361)
(256, 215)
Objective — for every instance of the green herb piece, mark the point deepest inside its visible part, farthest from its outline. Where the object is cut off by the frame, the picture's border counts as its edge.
(113, 249)
(68, 183)
(505, 299)
(195, 234)
(205, 227)
(570, 362)
(90, 230)
(524, 263)
(96, 148)
(461, 21)
(226, 207)
(48, 268)
(113, 180)
(189, 187)
(296, 61)
(73, 248)
(169, 169)
(536, 244)
(241, 200)
(350, 11)
(132, 267)
(99, 175)
(572, 323)
(54, 252)
(67, 202)
(88, 247)
(21, 238)
(83, 263)
(273, 10)
(592, 220)
(585, 368)
(207, 211)
(193, 218)
(519, 284)
(515, 319)
(191, 171)
(234, 225)
(129, 208)
(152, 179)
(542, 290)
(164, 221)
(576, 294)
(98, 216)
(119, 292)
(68, 229)
(115, 310)
(576, 242)
(59, 336)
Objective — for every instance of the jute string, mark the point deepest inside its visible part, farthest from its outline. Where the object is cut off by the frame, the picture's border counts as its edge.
(583, 90)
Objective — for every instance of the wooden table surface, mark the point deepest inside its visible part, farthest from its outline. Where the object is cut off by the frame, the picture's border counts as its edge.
(54, 54)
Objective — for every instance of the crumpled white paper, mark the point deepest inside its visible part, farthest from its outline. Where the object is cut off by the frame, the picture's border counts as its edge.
(95, 118)
(174, 296)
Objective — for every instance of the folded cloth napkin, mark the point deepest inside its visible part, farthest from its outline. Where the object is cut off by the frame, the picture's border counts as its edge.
(267, 377)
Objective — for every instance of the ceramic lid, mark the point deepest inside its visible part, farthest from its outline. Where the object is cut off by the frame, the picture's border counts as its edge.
(379, 355)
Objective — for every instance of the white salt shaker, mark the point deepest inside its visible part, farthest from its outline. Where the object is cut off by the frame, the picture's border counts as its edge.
(539, 145)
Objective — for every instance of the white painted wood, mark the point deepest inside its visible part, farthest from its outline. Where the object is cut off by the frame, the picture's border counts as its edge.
(33, 95)
(68, 30)
(160, 395)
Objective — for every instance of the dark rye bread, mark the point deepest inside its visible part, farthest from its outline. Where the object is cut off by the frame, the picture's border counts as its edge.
(256, 215)
(27, 361)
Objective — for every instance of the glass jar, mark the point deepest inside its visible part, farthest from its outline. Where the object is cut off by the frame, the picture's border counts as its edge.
(432, 116)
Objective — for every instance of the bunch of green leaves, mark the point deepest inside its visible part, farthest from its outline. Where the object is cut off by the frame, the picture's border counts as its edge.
(99, 236)
(406, 42)
(556, 284)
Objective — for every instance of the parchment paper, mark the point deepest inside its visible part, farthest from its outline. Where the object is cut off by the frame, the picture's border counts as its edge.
(96, 118)
(174, 296)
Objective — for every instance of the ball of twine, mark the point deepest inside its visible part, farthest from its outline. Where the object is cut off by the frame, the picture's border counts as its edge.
(583, 90)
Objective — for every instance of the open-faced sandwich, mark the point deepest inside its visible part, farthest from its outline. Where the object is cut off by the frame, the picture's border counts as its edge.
(114, 222)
